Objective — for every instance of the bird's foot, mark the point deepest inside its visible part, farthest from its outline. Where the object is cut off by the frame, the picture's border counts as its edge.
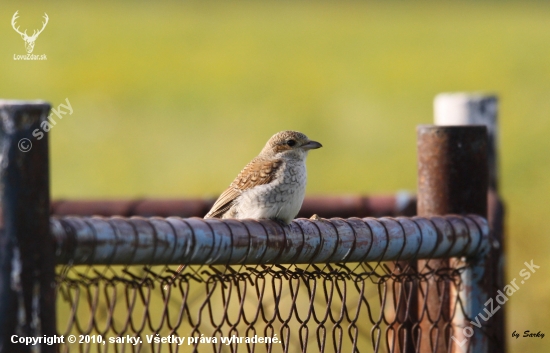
(315, 217)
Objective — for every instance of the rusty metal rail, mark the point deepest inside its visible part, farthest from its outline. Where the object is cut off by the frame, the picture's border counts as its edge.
(344, 206)
(197, 241)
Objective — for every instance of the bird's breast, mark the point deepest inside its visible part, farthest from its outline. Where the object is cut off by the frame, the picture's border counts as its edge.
(281, 199)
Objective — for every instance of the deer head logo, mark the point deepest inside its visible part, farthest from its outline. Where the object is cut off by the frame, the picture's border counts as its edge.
(29, 40)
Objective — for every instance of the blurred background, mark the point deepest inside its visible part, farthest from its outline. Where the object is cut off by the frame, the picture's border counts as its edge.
(172, 99)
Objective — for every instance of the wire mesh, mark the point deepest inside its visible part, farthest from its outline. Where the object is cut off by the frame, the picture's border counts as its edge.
(353, 307)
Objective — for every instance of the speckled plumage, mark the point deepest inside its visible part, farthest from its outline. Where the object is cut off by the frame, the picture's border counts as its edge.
(272, 185)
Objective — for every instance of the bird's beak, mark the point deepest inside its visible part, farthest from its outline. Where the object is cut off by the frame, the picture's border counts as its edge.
(311, 145)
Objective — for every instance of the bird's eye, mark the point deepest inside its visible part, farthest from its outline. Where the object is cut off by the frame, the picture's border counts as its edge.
(291, 143)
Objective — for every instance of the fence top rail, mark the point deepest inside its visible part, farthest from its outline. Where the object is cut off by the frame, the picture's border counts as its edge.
(399, 204)
(156, 241)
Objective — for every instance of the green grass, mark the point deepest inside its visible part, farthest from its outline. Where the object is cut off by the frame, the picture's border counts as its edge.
(171, 99)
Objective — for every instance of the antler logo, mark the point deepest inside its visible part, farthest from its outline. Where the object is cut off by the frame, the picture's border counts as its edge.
(29, 40)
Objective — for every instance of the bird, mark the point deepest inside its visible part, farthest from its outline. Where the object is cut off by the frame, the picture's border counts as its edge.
(272, 186)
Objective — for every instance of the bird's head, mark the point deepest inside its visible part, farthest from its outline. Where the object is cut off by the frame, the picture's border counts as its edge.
(289, 144)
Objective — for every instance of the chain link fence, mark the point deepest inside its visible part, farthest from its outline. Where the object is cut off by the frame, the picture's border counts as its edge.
(356, 300)
(353, 307)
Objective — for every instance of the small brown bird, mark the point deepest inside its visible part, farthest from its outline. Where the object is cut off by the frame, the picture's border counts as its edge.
(271, 186)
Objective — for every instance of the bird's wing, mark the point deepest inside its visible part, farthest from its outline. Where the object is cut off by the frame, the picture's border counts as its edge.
(257, 172)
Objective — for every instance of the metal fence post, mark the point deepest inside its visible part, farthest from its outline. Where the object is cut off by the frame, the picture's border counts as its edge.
(27, 291)
(482, 109)
(472, 109)
(452, 178)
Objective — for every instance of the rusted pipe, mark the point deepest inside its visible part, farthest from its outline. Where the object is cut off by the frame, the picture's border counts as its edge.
(452, 178)
(27, 291)
(197, 241)
(400, 204)
(452, 170)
